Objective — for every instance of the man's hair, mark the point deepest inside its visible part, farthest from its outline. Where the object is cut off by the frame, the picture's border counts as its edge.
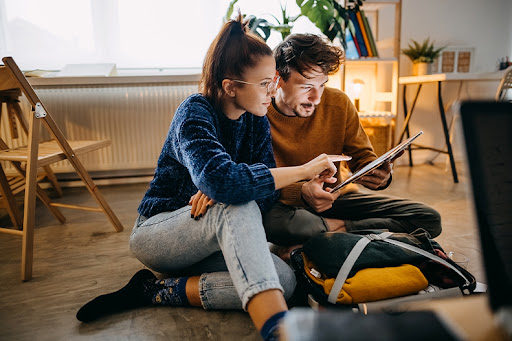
(233, 51)
(306, 52)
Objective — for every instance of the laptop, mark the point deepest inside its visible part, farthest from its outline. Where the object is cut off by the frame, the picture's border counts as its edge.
(487, 130)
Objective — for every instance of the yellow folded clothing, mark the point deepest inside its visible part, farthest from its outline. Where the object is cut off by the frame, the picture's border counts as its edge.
(372, 284)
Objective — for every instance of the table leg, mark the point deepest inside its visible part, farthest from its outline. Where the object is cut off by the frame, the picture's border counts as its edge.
(446, 132)
(407, 117)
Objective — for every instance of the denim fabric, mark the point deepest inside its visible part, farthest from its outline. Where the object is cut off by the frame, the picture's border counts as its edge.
(171, 242)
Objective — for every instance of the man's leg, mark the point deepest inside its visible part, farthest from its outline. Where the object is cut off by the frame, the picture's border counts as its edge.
(362, 211)
(287, 225)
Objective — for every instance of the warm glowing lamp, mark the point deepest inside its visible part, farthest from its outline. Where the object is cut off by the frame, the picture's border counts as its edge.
(357, 87)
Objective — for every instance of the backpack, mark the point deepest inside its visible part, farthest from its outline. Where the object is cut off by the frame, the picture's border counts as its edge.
(344, 269)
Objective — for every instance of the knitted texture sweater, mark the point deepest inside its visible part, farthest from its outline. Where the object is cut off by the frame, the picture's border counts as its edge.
(228, 160)
(334, 128)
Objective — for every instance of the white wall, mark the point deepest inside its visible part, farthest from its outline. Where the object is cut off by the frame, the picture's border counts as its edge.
(484, 25)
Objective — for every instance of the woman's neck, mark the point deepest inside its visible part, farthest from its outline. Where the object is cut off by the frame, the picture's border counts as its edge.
(230, 109)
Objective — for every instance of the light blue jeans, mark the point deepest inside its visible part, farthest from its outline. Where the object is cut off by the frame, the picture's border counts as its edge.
(227, 245)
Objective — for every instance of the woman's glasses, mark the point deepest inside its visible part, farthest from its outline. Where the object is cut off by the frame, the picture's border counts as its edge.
(270, 86)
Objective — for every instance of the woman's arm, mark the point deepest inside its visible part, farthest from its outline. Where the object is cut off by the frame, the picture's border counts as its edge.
(322, 165)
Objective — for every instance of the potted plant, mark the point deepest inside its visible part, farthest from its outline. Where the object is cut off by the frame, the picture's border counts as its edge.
(328, 15)
(422, 55)
(263, 27)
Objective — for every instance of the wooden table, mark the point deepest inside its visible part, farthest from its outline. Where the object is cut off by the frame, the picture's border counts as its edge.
(438, 79)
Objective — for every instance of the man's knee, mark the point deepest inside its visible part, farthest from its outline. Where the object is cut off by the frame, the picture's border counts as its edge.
(286, 225)
(432, 222)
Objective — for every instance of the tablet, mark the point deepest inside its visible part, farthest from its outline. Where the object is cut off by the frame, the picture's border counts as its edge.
(386, 157)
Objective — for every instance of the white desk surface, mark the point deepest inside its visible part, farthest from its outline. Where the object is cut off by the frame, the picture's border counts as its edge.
(440, 77)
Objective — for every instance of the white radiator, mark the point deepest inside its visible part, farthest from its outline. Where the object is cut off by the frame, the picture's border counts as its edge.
(135, 117)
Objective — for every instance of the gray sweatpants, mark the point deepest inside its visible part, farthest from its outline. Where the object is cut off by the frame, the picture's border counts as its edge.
(287, 225)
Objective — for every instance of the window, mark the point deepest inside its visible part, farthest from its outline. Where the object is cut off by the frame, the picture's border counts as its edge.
(132, 34)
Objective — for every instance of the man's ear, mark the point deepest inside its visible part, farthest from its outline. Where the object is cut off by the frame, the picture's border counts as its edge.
(229, 87)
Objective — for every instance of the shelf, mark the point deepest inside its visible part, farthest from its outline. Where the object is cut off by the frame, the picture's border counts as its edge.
(378, 96)
(371, 60)
(367, 114)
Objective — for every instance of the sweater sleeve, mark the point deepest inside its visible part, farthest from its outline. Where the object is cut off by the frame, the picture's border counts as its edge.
(213, 171)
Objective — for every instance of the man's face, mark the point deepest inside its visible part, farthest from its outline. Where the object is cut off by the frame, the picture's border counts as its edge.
(299, 96)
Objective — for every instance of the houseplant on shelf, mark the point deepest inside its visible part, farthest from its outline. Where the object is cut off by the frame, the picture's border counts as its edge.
(422, 55)
(328, 15)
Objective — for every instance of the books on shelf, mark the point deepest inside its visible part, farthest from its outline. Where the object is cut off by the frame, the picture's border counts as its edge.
(352, 51)
(358, 34)
(361, 33)
(368, 29)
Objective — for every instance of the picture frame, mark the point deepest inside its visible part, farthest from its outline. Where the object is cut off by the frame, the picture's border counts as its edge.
(454, 60)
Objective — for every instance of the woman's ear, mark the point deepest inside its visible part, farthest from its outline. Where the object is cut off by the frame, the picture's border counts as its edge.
(229, 87)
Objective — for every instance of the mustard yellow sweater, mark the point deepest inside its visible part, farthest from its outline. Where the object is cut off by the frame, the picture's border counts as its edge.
(334, 128)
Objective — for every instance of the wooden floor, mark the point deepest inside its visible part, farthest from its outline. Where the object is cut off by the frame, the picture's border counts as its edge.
(85, 257)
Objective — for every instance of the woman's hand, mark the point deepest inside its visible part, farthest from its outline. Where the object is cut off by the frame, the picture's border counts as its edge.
(200, 203)
(323, 166)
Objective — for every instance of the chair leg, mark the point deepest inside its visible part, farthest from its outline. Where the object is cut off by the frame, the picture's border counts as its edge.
(53, 180)
(29, 216)
(95, 192)
(29, 219)
(10, 201)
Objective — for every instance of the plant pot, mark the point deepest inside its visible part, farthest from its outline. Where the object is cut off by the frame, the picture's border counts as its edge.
(420, 69)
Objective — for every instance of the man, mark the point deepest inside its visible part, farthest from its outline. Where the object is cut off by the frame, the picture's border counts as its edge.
(307, 119)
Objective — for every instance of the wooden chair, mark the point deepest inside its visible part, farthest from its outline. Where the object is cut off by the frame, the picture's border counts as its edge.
(40, 154)
(505, 84)
(14, 184)
(16, 118)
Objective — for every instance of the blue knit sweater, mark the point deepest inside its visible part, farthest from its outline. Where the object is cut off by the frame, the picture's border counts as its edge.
(228, 160)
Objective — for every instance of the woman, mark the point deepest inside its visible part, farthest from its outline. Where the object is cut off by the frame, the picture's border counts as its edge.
(202, 212)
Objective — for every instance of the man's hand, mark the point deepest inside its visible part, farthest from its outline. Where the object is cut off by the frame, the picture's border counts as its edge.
(316, 196)
(378, 177)
(200, 203)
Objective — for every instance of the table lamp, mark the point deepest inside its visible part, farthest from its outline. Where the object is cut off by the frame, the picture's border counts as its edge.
(357, 87)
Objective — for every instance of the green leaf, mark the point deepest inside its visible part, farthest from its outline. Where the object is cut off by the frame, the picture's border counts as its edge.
(320, 12)
(422, 53)
(229, 11)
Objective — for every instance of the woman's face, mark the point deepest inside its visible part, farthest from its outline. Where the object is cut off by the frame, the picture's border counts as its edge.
(255, 97)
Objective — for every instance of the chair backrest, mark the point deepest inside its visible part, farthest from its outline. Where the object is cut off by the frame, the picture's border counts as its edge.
(16, 77)
(505, 84)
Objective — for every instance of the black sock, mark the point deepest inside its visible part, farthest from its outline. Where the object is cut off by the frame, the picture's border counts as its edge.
(137, 293)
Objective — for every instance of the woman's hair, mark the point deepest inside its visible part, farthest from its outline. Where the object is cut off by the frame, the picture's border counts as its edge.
(234, 50)
(306, 52)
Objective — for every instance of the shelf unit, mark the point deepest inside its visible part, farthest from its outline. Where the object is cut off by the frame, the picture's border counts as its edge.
(378, 100)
